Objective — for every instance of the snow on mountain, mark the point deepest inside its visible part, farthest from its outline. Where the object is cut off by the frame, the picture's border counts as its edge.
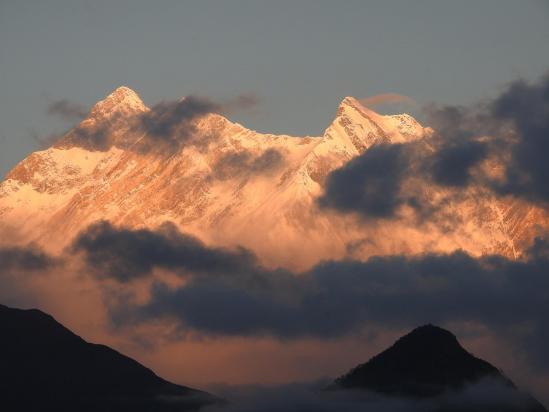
(233, 186)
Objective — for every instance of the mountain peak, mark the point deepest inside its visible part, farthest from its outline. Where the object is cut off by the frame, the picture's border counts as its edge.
(350, 101)
(430, 334)
(430, 363)
(426, 362)
(123, 93)
(122, 100)
(354, 110)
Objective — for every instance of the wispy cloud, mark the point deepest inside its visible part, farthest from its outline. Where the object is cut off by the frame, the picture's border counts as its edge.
(386, 98)
(67, 110)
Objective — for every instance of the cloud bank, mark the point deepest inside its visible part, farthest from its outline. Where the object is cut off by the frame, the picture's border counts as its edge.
(499, 147)
(227, 293)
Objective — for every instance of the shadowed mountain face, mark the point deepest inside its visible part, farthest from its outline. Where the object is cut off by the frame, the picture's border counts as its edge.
(430, 363)
(44, 366)
(425, 362)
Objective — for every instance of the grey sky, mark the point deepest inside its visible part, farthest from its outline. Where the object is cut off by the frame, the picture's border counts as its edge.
(300, 57)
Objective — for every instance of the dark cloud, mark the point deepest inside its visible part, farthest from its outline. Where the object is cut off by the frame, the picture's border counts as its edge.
(242, 101)
(452, 164)
(20, 265)
(165, 128)
(269, 159)
(97, 138)
(387, 177)
(67, 110)
(456, 146)
(511, 130)
(338, 298)
(370, 183)
(238, 163)
(44, 141)
(517, 124)
(539, 249)
(165, 118)
(24, 258)
(229, 293)
(232, 165)
(170, 125)
(526, 106)
(124, 254)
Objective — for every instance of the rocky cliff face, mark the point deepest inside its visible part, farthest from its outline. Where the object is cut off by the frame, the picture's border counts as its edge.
(231, 186)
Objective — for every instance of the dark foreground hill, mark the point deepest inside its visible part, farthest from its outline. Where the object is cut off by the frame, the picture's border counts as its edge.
(430, 364)
(46, 367)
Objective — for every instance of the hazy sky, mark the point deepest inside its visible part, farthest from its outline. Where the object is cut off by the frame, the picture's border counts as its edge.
(299, 57)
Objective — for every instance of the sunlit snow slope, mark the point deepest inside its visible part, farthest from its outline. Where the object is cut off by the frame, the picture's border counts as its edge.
(234, 186)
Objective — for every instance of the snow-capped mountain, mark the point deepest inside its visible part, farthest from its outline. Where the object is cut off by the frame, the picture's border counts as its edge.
(233, 186)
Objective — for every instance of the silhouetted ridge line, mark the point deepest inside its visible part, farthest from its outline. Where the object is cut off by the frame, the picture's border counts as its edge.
(47, 367)
(429, 362)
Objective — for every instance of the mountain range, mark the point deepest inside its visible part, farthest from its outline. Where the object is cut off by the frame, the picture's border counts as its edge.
(229, 185)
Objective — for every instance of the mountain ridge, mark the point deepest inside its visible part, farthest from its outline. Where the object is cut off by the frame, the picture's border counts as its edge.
(225, 181)
(47, 366)
(429, 363)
